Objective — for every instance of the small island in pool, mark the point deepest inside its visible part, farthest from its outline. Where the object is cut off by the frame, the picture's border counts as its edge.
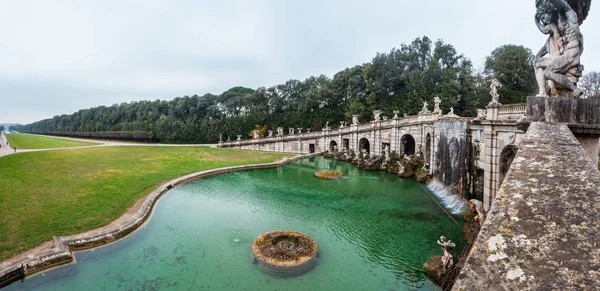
(330, 175)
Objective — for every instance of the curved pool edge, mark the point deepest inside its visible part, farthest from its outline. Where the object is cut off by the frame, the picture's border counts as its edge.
(13, 270)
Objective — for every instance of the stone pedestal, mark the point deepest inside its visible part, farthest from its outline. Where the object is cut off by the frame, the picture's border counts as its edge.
(582, 116)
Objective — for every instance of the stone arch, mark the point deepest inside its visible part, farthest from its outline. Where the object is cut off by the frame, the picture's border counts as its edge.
(506, 157)
(408, 144)
(364, 143)
(332, 145)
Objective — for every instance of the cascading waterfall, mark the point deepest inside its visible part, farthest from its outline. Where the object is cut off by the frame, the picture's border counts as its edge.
(449, 200)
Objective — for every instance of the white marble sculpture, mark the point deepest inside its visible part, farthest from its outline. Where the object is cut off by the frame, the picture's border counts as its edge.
(447, 259)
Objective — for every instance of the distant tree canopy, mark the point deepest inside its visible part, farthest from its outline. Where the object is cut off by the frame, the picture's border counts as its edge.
(11, 127)
(512, 66)
(399, 80)
(2, 128)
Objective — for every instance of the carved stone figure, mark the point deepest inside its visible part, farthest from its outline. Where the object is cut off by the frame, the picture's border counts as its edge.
(451, 111)
(377, 115)
(279, 131)
(425, 110)
(239, 137)
(308, 130)
(557, 64)
(494, 92)
(255, 133)
(342, 124)
(299, 130)
(220, 138)
(386, 151)
(291, 131)
(327, 126)
(228, 139)
(436, 105)
(447, 245)
(354, 119)
(270, 133)
(396, 112)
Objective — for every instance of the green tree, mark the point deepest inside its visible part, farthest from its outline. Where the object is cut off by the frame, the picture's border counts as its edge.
(512, 66)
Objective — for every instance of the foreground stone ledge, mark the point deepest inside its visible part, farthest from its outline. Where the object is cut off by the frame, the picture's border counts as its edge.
(61, 252)
(542, 230)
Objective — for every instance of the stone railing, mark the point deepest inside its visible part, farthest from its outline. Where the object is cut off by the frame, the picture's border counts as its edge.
(511, 111)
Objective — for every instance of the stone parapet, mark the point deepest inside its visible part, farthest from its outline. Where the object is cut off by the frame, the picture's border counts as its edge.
(541, 232)
(16, 269)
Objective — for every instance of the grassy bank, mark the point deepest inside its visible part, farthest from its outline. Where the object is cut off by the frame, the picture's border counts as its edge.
(28, 141)
(43, 194)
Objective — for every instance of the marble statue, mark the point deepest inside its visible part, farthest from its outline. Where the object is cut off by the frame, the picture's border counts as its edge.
(220, 138)
(327, 126)
(270, 133)
(228, 139)
(451, 111)
(386, 151)
(396, 112)
(342, 124)
(308, 130)
(557, 64)
(377, 115)
(436, 105)
(255, 133)
(299, 130)
(354, 119)
(494, 92)
(425, 110)
(291, 131)
(279, 131)
(447, 259)
(239, 137)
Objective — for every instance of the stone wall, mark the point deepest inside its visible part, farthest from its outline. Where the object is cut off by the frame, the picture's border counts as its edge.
(542, 231)
(451, 154)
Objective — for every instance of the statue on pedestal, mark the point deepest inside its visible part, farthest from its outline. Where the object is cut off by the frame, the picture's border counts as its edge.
(239, 137)
(354, 119)
(270, 133)
(557, 64)
(436, 105)
(396, 112)
(291, 131)
(377, 115)
(220, 138)
(424, 110)
(279, 131)
(494, 92)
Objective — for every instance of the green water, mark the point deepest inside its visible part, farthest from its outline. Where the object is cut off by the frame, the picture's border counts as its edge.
(374, 232)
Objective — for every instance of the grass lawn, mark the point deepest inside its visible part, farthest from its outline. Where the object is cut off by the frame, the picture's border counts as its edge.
(43, 194)
(28, 141)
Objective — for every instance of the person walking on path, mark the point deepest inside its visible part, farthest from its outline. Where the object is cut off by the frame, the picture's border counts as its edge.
(15, 149)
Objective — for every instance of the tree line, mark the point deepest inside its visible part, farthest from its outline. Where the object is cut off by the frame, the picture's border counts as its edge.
(401, 79)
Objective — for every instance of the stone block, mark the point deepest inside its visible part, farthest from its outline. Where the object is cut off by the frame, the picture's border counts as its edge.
(563, 110)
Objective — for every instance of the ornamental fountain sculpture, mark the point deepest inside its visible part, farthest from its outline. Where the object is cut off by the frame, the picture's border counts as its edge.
(557, 64)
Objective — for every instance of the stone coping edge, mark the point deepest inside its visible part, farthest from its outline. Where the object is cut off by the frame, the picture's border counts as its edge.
(63, 246)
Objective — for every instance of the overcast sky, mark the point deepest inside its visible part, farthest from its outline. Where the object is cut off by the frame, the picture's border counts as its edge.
(59, 56)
